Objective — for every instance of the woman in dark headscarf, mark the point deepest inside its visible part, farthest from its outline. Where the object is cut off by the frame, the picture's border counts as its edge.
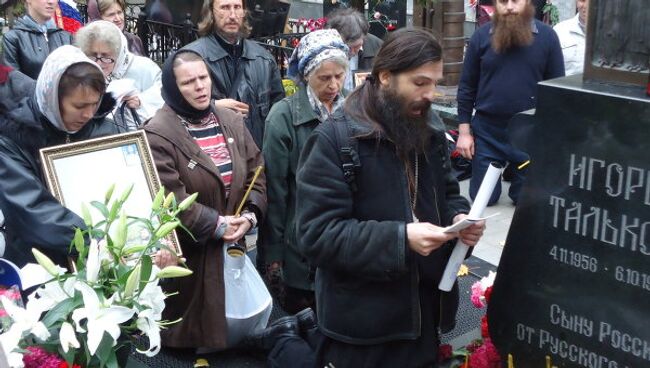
(201, 148)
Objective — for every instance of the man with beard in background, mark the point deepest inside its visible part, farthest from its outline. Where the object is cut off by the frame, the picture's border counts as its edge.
(375, 235)
(503, 63)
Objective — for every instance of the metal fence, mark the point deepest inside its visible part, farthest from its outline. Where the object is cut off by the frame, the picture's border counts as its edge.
(160, 39)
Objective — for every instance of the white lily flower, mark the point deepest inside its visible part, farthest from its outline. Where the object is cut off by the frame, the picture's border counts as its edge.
(147, 324)
(67, 337)
(101, 318)
(93, 263)
(52, 293)
(8, 342)
(152, 296)
(26, 320)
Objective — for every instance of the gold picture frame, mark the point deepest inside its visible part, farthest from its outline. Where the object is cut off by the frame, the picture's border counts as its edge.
(82, 172)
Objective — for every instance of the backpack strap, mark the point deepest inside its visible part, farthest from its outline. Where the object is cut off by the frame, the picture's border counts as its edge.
(348, 148)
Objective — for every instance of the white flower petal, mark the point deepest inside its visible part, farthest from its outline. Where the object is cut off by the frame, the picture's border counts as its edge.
(93, 263)
(67, 337)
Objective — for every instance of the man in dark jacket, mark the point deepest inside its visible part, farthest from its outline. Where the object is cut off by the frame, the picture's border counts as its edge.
(33, 38)
(247, 78)
(376, 234)
(504, 61)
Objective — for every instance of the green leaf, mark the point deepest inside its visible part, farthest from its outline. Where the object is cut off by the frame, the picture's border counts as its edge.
(88, 219)
(109, 193)
(145, 271)
(101, 207)
(79, 242)
(105, 351)
(61, 311)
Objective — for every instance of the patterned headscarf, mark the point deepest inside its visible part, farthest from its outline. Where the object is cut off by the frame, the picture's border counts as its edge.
(314, 48)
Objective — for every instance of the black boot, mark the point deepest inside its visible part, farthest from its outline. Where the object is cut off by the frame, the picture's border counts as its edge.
(265, 339)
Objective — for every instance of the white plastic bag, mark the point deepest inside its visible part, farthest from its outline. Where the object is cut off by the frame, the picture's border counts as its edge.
(248, 302)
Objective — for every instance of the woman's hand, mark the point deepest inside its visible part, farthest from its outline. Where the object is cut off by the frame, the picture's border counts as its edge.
(237, 228)
(164, 258)
(132, 101)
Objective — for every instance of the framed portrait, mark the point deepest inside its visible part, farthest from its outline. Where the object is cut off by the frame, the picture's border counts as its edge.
(359, 77)
(82, 172)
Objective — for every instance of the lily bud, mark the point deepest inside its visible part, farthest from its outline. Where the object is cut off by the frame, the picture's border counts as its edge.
(173, 271)
(120, 236)
(187, 202)
(132, 282)
(157, 201)
(166, 229)
(128, 250)
(109, 193)
(126, 193)
(168, 200)
(45, 262)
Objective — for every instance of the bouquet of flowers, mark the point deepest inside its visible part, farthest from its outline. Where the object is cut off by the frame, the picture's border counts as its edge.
(481, 353)
(82, 318)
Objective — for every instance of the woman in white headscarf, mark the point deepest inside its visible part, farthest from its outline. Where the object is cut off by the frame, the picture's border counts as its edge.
(68, 106)
(133, 80)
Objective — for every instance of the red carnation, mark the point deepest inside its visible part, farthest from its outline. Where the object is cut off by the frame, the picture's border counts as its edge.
(484, 327)
(487, 294)
(444, 352)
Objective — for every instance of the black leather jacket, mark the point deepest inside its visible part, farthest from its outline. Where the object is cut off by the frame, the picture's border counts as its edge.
(259, 85)
(33, 217)
(26, 47)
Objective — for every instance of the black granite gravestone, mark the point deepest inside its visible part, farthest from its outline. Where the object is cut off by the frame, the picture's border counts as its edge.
(573, 282)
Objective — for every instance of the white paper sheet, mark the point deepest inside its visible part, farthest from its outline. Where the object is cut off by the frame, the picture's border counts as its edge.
(492, 177)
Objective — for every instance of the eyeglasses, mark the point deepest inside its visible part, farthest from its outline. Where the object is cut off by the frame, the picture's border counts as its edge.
(103, 59)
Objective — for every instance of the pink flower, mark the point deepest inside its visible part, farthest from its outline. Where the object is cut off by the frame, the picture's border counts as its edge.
(485, 356)
(477, 295)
